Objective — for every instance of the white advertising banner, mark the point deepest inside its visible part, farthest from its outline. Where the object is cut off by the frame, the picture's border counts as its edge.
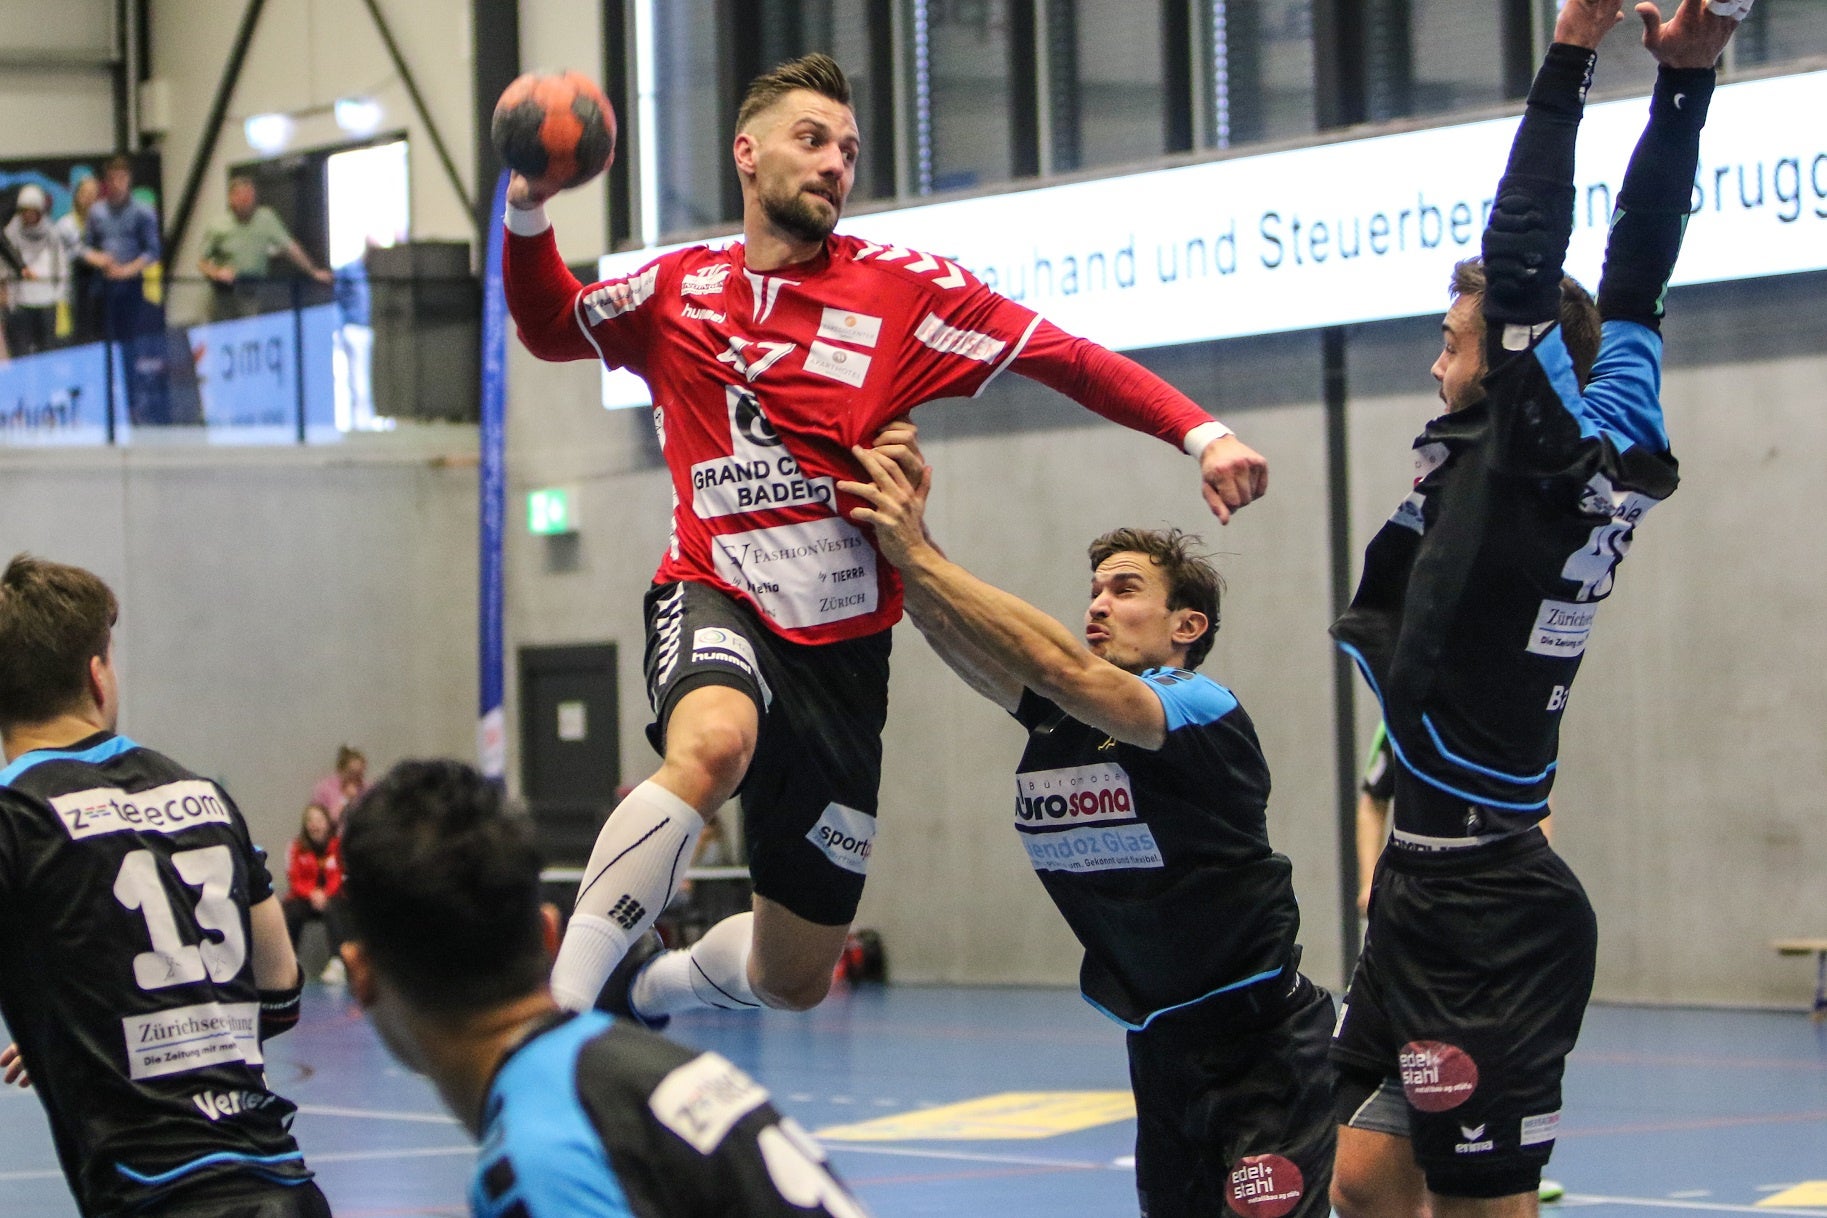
(1362, 230)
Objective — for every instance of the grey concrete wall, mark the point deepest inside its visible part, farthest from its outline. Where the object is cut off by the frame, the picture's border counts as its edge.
(303, 57)
(1692, 750)
(62, 109)
(274, 603)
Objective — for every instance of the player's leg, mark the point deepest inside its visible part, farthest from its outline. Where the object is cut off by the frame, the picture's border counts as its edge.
(1375, 1176)
(1241, 1082)
(809, 814)
(707, 702)
(1495, 963)
(794, 957)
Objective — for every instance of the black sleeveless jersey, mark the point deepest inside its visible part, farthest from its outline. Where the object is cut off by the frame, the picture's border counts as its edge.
(1479, 594)
(126, 972)
(1159, 860)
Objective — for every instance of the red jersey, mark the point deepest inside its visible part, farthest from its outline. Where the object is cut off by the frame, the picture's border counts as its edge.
(306, 871)
(762, 382)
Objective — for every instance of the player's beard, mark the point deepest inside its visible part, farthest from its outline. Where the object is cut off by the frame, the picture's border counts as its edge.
(795, 215)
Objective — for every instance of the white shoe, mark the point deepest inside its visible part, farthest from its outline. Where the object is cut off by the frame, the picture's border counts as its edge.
(334, 973)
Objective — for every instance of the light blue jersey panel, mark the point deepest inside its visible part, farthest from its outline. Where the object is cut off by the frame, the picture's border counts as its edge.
(541, 1156)
(1188, 698)
(1622, 400)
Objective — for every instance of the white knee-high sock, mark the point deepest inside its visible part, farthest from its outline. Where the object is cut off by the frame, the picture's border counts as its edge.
(634, 867)
(714, 973)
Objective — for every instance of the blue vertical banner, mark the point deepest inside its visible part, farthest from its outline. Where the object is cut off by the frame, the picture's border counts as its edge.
(491, 723)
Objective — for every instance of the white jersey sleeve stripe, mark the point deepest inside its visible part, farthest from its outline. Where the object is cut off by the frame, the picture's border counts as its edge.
(1014, 351)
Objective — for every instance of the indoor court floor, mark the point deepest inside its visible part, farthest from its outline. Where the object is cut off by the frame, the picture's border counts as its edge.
(1013, 1103)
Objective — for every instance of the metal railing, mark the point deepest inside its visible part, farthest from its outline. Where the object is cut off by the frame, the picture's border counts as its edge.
(288, 361)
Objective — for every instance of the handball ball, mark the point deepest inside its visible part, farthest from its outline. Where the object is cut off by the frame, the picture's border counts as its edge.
(555, 128)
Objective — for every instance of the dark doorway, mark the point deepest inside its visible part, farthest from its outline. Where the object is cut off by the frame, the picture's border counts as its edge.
(570, 733)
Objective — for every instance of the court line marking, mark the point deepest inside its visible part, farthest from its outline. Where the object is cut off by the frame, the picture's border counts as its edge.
(377, 1114)
(433, 1152)
(969, 1157)
(1686, 1124)
(1717, 1207)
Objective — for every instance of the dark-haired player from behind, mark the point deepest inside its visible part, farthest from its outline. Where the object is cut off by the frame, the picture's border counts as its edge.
(768, 625)
(579, 1116)
(1141, 800)
(143, 956)
(1470, 621)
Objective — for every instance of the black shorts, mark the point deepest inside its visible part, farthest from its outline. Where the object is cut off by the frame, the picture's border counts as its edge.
(237, 1195)
(1234, 1106)
(1476, 970)
(809, 799)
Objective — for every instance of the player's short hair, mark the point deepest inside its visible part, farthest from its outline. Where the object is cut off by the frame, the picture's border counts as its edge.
(124, 164)
(442, 887)
(1580, 321)
(54, 619)
(817, 72)
(1192, 581)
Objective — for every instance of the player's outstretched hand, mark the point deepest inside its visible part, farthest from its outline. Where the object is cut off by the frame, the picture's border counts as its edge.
(14, 1066)
(896, 504)
(1694, 37)
(1234, 476)
(523, 194)
(899, 442)
(1584, 23)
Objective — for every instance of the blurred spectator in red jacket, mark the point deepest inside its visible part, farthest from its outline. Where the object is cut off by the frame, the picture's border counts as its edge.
(314, 876)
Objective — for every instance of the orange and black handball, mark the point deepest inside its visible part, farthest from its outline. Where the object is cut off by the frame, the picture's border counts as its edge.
(555, 128)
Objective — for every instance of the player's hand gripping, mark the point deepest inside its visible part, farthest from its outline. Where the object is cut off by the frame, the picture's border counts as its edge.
(1584, 23)
(1694, 37)
(14, 1065)
(896, 499)
(523, 194)
(1234, 476)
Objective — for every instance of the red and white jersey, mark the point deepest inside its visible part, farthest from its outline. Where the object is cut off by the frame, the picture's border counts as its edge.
(762, 382)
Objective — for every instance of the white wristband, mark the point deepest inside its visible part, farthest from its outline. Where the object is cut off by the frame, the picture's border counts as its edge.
(527, 221)
(1199, 437)
(1737, 10)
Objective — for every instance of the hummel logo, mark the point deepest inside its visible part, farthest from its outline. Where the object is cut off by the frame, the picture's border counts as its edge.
(1472, 1134)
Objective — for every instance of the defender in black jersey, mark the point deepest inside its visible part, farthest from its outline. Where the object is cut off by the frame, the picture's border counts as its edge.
(1141, 803)
(1472, 616)
(579, 1116)
(143, 957)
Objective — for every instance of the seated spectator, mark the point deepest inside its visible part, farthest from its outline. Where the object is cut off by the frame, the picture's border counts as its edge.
(335, 789)
(314, 874)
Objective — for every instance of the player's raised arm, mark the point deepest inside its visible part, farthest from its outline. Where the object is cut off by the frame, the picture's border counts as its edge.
(1034, 651)
(1525, 241)
(1653, 202)
(1232, 474)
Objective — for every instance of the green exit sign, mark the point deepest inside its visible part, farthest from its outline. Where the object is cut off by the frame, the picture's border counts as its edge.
(552, 510)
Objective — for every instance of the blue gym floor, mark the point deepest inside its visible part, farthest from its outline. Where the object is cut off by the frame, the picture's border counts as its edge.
(1704, 1111)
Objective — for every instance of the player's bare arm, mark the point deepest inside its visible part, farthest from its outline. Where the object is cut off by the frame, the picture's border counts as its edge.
(1035, 650)
(275, 964)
